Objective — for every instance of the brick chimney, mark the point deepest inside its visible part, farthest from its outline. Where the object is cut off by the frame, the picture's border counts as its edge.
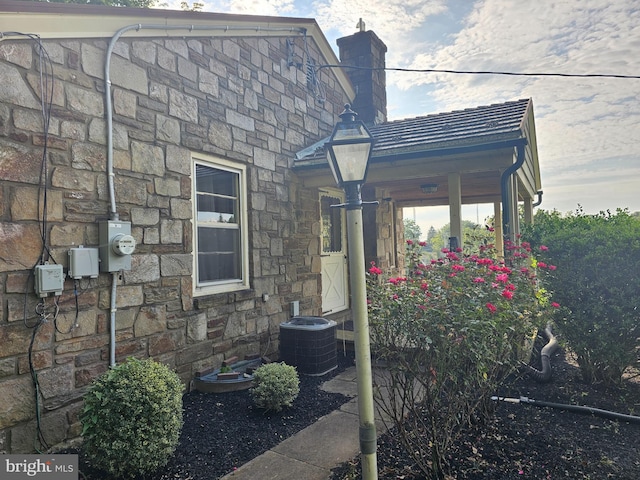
(365, 49)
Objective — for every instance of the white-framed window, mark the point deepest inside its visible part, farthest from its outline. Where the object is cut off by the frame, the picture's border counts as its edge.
(220, 226)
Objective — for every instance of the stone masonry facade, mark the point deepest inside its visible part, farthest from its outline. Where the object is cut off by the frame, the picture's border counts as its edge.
(234, 98)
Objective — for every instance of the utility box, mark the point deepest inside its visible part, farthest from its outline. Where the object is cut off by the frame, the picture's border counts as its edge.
(83, 262)
(49, 279)
(116, 245)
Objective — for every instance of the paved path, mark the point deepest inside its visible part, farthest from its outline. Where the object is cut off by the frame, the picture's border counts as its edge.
(313, 452)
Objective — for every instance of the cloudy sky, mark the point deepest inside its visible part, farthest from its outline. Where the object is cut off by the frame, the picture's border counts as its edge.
(588, 129)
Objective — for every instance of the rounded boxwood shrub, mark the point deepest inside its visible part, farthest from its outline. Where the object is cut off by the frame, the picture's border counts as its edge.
(132, 418)
(276, 386)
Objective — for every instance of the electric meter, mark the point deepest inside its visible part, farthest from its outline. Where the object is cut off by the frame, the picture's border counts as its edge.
(116, 245)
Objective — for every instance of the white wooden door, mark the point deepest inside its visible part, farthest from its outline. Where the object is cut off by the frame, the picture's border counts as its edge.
(333, 244)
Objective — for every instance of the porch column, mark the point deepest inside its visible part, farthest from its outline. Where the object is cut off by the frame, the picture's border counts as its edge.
(528, 211)
(497, 226)
(455, 206)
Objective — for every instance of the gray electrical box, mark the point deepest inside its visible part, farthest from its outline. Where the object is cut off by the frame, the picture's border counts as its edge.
(84, 262)
(295, 308)
(49, 279)
(116, 245)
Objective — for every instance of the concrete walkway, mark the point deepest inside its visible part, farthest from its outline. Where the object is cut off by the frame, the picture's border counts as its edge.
(313, 452)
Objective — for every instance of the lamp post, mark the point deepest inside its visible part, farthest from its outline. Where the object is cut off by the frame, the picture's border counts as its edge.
(348, 153)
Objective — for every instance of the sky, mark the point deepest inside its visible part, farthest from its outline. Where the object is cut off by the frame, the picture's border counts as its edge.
(588, 129)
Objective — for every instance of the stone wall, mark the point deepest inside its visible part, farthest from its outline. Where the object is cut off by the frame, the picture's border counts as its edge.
(234, 98)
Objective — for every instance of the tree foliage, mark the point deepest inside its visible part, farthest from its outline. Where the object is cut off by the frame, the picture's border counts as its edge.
(473, 234)
(112, 3)
(597, 280)
(412, 230)
(195, 6)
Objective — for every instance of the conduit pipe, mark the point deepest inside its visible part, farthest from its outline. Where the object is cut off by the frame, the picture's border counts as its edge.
(112, 322)
(572, 408)
(113, 212)
(544, 375)
(107, 78)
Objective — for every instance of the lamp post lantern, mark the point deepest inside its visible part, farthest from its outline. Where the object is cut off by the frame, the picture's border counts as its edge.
(348, 153)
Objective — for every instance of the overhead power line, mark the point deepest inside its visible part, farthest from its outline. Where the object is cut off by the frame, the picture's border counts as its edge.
(486, 72)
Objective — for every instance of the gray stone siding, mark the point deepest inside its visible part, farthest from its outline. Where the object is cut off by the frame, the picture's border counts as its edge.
(234, 98)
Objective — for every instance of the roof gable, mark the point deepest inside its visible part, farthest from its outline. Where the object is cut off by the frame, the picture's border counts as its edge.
(468, 127)
(478, 143)
(502, 121)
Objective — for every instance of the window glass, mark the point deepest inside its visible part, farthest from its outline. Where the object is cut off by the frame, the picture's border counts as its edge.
(218, 255)
(331, 225)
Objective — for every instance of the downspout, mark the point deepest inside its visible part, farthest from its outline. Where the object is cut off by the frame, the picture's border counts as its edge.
(536, 204)
(504, 187)
(544, 375)
(113, 213)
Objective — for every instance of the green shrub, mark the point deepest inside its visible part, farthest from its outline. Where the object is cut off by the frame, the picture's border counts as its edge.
(597, 280)
(132, 418)
(276, 386)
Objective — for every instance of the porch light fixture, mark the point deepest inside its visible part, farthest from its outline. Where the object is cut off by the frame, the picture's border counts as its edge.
(348, 153)
(429, 187)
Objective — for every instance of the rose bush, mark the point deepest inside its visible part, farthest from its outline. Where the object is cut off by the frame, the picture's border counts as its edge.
(450, 332)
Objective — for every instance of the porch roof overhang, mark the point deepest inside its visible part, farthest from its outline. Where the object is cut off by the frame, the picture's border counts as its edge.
(479, 144)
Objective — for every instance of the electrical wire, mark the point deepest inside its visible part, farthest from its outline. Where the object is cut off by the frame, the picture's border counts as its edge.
(74, 325)
(39, 439)
(46, 101)
(46, 118)
(486, 72)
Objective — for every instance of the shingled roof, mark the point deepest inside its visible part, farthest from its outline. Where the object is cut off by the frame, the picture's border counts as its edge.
(477, 143)
(471, 126)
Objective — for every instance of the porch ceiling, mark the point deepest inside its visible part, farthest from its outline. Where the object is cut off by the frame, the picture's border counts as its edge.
(480, 187)
(477, 143)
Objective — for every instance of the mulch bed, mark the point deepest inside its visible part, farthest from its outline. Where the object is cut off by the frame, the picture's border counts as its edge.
(225, 430)
(529, 442)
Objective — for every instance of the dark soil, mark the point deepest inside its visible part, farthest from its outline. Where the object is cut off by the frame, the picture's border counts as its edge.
(223, 431)
(528, 442)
